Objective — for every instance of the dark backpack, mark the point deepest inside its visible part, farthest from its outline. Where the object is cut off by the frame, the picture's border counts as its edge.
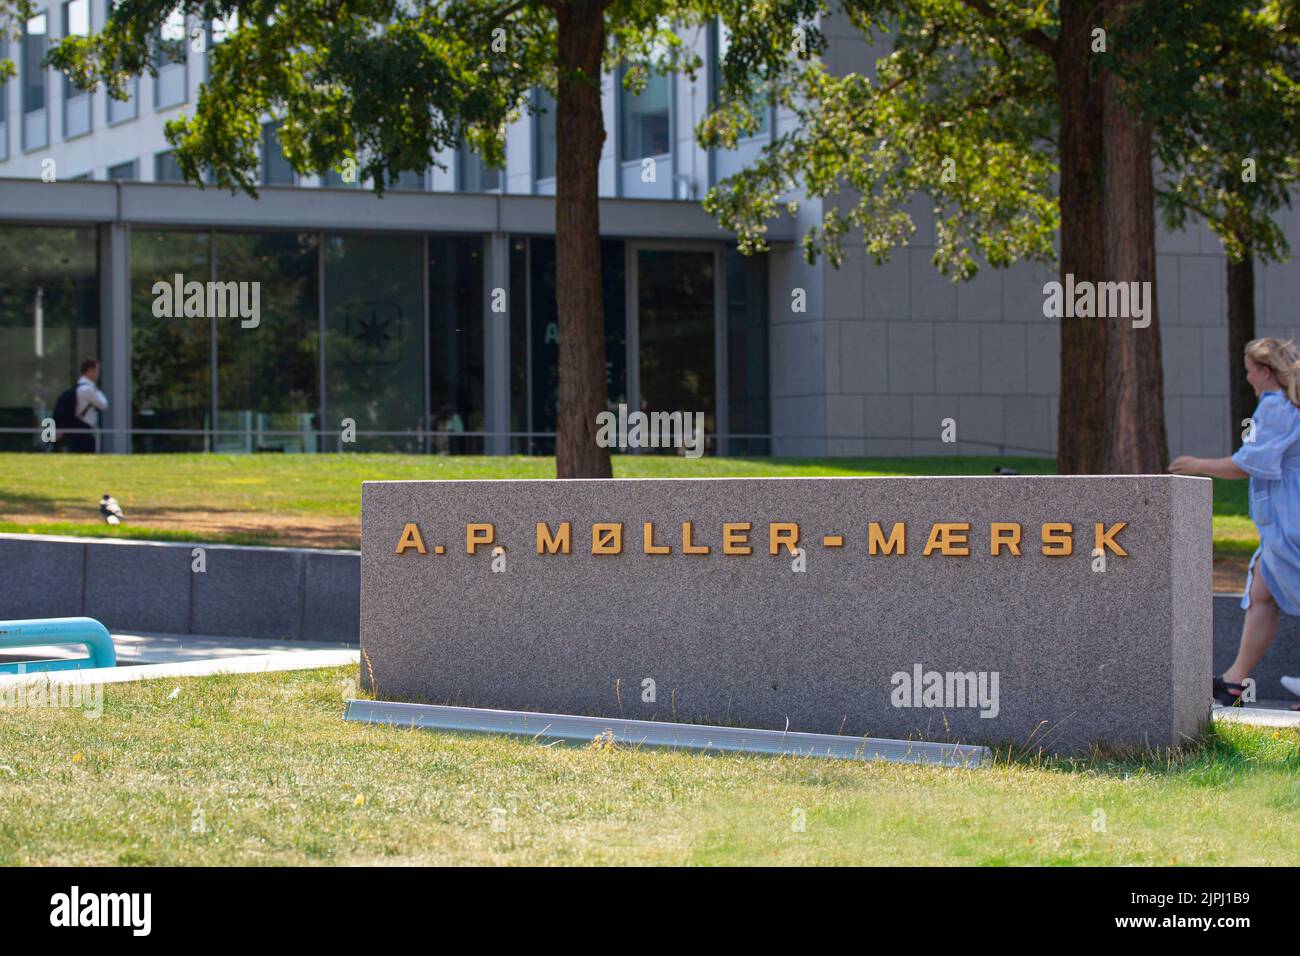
(65, 411)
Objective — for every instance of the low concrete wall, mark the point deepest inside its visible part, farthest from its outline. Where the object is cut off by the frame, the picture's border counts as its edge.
(604, 600)
(1281, 660)
(275, 593)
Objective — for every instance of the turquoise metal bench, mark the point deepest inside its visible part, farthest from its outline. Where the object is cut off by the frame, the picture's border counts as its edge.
(57, 630)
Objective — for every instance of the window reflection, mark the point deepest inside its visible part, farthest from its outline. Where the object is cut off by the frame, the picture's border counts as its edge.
(644, 120)
(49, 322)
(171, 358)
(456, 343)
(374, 339)
(675, 317)
(267, 376)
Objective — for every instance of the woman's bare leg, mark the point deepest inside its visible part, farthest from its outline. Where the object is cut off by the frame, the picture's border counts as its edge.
(1257, 632)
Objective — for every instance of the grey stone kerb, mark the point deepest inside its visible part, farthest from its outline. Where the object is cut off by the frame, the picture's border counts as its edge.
(1058, 653)
(153, 586)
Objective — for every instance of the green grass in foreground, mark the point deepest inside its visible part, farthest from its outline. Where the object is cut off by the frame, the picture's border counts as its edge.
(68, 487)
(280, 779)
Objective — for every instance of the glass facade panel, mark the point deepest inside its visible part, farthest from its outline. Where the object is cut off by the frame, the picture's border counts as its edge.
(544, 151)
(49, 322)
(518, 304)
(675, 316)
(268, 375)
(748, 396)
(644, 120)
(171, 356)
(544, 344)
(456, 343)
(374, 339)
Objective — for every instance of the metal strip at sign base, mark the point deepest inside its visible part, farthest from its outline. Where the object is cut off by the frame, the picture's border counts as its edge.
(654, 733)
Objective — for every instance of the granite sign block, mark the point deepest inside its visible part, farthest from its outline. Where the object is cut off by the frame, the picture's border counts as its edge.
(1059, 612)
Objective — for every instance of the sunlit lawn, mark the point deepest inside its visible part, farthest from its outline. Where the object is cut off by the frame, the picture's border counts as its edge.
(261, 769)
(55, 493)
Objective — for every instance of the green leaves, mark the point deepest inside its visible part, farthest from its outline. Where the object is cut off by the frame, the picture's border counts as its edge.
(1219, 81)
(960, 111)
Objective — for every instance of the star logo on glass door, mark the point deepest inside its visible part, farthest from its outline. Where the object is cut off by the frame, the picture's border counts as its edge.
(375, 328)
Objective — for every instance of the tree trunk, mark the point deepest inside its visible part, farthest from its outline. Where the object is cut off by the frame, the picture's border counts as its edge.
(580, 136)
(1241, 329)
(1135, 432)
(1081, 421)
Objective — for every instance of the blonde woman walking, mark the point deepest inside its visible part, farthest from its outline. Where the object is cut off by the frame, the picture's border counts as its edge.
(1270, 457)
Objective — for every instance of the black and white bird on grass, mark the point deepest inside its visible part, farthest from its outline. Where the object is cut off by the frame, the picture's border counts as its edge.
(110, 509)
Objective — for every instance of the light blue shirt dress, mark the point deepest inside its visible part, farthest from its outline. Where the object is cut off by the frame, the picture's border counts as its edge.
(1273, 462)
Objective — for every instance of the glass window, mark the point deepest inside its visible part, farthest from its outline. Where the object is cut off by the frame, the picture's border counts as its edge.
(473, 175)
(268, 374)
(49, 322)
(276, 170)
(171, 39)
(544, 335)
(675, 318)
(171, 355)
(758, 104)
(374, 339)
(644, 119)
(76, 23)
(544, 136)
(223, 29)
(456, 343)
(748, 403)
(334, 179)
(119, 111)
(166, 169)
(122, 172)
(34, 44)
(409, 179)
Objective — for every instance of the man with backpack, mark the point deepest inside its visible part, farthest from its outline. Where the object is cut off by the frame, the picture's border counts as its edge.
(76, 411)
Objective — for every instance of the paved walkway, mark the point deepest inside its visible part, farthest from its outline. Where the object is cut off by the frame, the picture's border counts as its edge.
(178, 649)
(1262, 713)
(155, 656)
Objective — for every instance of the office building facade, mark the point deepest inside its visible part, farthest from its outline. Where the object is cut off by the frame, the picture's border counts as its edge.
(425, 320)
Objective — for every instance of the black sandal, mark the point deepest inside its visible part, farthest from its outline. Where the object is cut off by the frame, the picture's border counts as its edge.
(1223, 692)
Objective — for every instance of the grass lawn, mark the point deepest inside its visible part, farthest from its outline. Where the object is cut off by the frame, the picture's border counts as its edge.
(268, 768)
(315, 500)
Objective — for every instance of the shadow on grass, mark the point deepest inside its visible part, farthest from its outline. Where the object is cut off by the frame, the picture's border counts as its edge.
(1219, 755)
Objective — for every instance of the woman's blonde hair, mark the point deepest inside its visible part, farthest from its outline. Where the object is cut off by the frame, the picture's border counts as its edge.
(1283, 359)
